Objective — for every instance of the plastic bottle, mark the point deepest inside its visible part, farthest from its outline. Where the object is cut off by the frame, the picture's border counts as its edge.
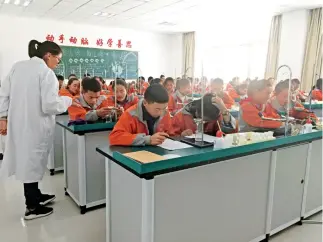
(308, 127)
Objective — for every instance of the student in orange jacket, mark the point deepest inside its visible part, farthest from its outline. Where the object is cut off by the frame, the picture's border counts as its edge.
(233, 83)
(142, 85)
(169, 84)
(93, 105)
(278, 103)
(297, 94)
(72, 88)
(124, 100)
(215, 113)
(317, 92)
(178, 99)
(217, 85)
(254, 106)
(239, 92)
(146, 123)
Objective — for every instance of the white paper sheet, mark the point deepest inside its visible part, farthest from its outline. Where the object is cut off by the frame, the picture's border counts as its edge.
(171, 156)
(173, 145)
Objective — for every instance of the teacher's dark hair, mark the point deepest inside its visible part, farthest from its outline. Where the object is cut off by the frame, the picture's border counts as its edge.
(40, 49)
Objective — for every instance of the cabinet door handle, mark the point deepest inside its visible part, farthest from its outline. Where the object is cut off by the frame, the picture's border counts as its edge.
(302, 181)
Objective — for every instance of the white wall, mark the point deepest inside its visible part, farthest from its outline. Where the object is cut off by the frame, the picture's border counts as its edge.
(293, 40)
(158, 53)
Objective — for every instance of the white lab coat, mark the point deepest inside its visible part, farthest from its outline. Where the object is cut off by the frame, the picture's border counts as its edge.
(29, 97)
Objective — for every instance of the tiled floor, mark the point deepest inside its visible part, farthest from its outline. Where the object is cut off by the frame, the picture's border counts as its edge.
(67, 225)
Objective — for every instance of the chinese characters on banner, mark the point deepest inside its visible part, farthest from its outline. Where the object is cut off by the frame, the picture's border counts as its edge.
(84, 41)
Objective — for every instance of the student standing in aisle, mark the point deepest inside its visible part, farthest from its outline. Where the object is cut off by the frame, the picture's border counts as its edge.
(29, 102)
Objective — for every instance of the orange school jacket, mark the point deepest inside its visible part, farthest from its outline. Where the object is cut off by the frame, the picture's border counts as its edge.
(233, 93)
(228, 87)
(317, 94)
(228, 101)
(86, 112)
(143, 88)
(250, 119)
(127, 103)
(175, 103)
(65, 92)
(183, 120)
(132, 130)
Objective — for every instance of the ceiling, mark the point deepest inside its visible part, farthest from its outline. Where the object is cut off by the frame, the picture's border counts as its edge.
(167, 16)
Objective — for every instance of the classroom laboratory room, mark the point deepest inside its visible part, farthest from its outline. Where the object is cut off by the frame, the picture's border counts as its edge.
(161, 120)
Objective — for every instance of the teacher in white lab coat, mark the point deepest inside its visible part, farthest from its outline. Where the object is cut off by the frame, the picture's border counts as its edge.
(29, 102)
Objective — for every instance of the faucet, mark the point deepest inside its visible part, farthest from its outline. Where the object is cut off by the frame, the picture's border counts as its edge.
(289, 99)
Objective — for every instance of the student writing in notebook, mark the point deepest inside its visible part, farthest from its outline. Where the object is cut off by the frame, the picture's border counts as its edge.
(146, 123)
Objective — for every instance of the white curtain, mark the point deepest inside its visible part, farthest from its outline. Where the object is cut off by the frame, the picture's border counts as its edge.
(273, 47)
(313, 51)
(188, 54)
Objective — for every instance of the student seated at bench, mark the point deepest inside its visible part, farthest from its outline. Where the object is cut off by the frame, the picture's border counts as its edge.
(146, 123)
(215, 114)
(178, 99)
(72, 88)
(317, 90)
(253, 108)
(217, 86)
(278, 103)
(124, 100)
(94, 105)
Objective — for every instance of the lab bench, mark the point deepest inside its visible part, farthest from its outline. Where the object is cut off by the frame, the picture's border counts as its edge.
(84, 168)
(241, 194)
(55, 158)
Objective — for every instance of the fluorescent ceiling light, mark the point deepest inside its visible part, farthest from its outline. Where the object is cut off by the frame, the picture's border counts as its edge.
(17, 2)
(6, 1)
(26, 3)
(104, 14)
(97, 14)
(167, 23)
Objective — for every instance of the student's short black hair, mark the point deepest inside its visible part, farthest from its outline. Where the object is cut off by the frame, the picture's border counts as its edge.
(60, 77)
(169, 79)
(211, 111)
(156, 81)
(162, 76)
(90, 84)
(217, 81)
(150, 79)
(121, 82)
(182, 83)
(71, 75)
(141, 78)
(156, 93)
